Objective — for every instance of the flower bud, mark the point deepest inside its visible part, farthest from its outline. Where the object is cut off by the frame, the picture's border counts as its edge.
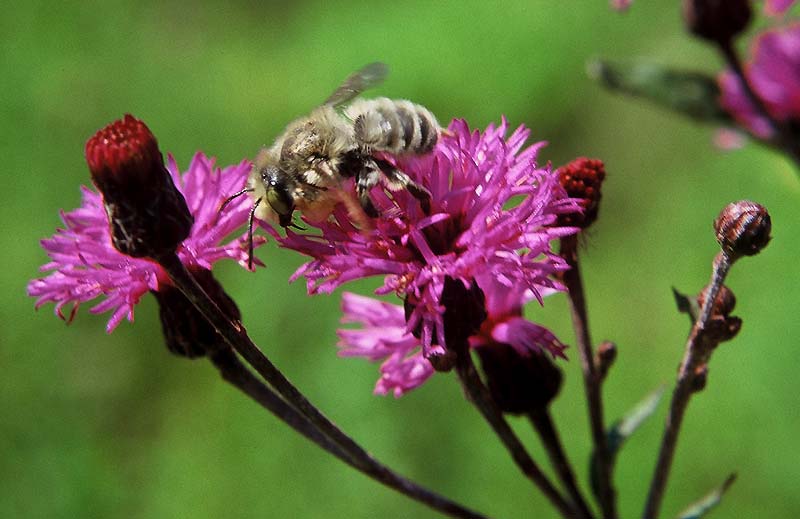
(725, 303)
(700, 377)
(186, 332)
(582, 178)
(604, 358)
(147, 214)
(743, 228)
(716, 20)
(519, 383)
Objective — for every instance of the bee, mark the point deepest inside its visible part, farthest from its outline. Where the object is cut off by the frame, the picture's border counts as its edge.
(306, 166)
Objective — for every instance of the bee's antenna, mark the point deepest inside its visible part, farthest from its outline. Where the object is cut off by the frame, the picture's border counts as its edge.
(295, 226)
(232, 198)
(250, 231)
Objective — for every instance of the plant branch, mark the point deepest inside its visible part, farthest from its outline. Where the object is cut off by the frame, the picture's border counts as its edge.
(482, 399)
(234, 333)
(234, 372)
(693, 357)
(591, 377)
(542, 421)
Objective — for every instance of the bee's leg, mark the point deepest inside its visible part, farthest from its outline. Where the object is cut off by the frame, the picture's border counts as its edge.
(366, 179)
(397, 180)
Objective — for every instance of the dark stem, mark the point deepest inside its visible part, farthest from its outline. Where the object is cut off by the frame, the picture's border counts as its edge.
(591, 378)
(235, 335)
(543, 423)
(234, 372)
(482, 399)
(683, 391)
(785, 139)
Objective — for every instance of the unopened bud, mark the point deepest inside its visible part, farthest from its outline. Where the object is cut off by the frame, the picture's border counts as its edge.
(725, 303)
(186, 332)
(519, 383)
(716, 20)
(743, 228)
(147, 214)
(604, 358)
(582, 178)
(700, 377)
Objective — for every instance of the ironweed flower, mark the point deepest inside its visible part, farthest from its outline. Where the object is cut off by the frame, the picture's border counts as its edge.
(85, 265)
(384, 335)
(493, 213)
(777, 7)
(620, 5)
(774, 74)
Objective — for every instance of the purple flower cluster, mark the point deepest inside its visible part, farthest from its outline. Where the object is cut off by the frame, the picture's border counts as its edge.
(494, 213)
(84, 265)
(774, 74)
(384, 337)
(777, 7)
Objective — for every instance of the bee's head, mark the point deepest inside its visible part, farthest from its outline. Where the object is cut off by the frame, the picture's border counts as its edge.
(278, 193)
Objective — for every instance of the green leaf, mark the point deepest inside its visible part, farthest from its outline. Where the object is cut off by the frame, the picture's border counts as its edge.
(624, 428)
(691, 93)
(711, 500)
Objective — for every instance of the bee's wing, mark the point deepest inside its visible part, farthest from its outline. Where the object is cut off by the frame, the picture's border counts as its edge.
(367, 77)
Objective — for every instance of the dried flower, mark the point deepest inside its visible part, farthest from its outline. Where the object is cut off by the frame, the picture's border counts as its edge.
(384, 337)
(86, 266)
(493, 213)
(774, 74)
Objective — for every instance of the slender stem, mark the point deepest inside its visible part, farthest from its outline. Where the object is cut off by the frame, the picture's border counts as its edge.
(692, 358)
(480, 396)
(543, 423)
(591, 378)
(234, 372)
(786, 141)
(234, 333)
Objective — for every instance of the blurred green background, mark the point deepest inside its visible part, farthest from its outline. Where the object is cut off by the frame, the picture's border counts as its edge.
(97, 425)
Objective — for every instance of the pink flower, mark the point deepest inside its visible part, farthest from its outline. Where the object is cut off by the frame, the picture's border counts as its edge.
(493, 213)
(85, 265)
(774, 73)
(777, 7)
(384, 335)
(620, 5)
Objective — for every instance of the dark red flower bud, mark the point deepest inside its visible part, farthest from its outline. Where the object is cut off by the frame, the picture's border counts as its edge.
(716, 20)
(186, 332)
(582, 178)
(147, 214)
(519, 383)
(743, 228)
